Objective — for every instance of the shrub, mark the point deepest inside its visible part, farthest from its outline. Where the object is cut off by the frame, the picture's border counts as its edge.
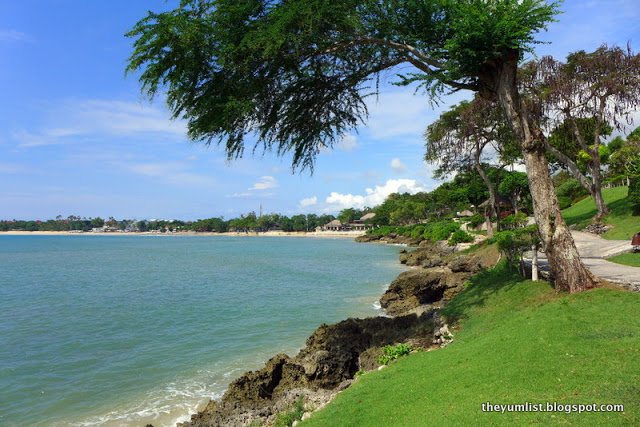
(460, 236)
(393, 352)
(514, 221)
(514, 243)
(286, 419)
(476, 220)
(572, 189)
(417, 232)
(564, 202)
(440, 230)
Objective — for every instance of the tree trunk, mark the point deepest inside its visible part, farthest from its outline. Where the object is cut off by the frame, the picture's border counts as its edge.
(603, 209)
(493, 200)
(568, 271)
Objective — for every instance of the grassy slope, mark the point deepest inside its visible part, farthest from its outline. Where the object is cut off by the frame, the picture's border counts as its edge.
(519, 342)
(632, 259)
(625, 225)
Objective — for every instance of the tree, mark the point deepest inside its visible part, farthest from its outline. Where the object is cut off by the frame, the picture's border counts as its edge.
(296, 75)
(458, 139)
(584, 96)
(624, 157)
(515, 186)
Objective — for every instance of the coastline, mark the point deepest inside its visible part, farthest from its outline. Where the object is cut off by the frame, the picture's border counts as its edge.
(336, 353)
(313, 234)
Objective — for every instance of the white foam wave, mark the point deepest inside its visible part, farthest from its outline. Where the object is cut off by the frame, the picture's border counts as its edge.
(165, 406)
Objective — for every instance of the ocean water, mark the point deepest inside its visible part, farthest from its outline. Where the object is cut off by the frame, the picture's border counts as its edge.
(129, 330)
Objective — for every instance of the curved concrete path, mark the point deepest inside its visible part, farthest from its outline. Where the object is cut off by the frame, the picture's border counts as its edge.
(593, 251)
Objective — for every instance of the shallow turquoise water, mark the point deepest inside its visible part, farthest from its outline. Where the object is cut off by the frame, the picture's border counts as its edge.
(125, 330)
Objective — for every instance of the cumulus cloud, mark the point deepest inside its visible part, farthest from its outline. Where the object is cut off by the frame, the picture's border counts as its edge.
(373, 196)
(309, 201)
(264, 183)
(397, 165)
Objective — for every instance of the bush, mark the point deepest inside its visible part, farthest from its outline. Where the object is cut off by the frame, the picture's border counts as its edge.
(440, 230)
(564, 202)
(417, 232)
(476, 220)
(514, 243)
(460, 236)
(514, 221)
(393, 352)
(286, 419)
(572, 189)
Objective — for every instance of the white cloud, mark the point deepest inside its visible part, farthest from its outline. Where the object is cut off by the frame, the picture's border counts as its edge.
(264, 183)
(100, 118)
(309, 201)
(348, 143)
(373, 196)
(7, 35)
(397, 165)
(175, 173)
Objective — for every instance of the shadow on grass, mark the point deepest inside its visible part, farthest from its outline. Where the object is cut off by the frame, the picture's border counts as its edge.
(481, 287)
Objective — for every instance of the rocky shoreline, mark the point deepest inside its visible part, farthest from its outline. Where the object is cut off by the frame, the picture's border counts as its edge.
(334, 354)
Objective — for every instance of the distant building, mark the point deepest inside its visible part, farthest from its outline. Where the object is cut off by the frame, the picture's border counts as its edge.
(466, 213)
(334, 225)
(360, 224)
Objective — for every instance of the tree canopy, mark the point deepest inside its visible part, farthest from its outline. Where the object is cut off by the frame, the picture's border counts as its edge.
(296, 74)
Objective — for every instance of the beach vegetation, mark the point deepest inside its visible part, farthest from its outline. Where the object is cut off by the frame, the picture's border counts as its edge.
(393, 352)
(286, 419)
(460, 236)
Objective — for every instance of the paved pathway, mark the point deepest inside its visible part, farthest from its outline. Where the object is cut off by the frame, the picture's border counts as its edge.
(593, 249)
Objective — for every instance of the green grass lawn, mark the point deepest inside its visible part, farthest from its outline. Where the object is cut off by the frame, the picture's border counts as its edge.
(624, 224)
(518, 341)
(632, 259)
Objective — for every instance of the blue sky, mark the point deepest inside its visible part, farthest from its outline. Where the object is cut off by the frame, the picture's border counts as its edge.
(76, 136)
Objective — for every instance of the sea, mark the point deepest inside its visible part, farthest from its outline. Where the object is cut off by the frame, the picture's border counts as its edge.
(125, 330)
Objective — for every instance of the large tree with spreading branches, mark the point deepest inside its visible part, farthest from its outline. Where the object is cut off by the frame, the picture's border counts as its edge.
(468, 136)
(294, 76)
(584, 98)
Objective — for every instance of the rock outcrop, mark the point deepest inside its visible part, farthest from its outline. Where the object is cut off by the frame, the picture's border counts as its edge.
(327, 364)
(334, 353)
(439, 278)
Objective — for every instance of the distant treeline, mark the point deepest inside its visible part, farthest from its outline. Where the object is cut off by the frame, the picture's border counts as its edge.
(465, 191)
(244, 223)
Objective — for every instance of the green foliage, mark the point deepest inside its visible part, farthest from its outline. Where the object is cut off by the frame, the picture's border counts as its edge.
(564, 202)
(296, 73)
(393, 352)
(460, 236)
(572, 189)
(440, 230)
(514, 221)
(476, 220)
(513, 243)
(349, 215)
(286, 419)
(634, 195)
